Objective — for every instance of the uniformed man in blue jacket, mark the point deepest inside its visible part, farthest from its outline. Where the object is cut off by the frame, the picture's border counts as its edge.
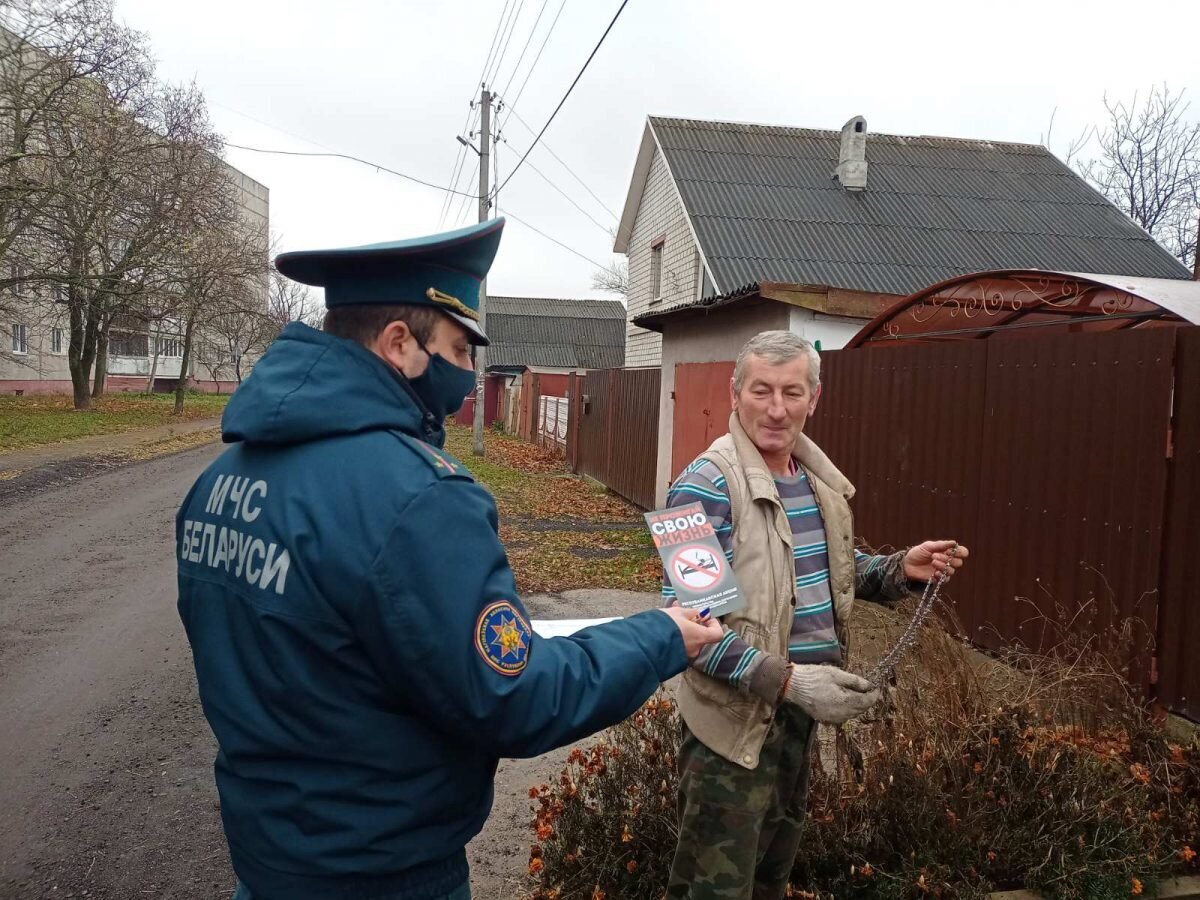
(361, 652)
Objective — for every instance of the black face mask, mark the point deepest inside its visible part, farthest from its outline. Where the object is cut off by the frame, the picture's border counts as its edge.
(443, 387)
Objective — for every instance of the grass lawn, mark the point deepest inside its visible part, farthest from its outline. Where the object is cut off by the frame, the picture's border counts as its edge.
(560, 531)
(50, 418)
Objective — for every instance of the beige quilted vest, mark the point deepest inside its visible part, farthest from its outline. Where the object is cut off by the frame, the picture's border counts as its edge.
(728, 722)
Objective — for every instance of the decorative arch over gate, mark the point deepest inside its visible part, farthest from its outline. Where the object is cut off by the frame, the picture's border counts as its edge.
(1016, 302)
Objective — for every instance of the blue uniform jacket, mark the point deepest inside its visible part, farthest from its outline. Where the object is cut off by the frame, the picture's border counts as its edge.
(361, 653)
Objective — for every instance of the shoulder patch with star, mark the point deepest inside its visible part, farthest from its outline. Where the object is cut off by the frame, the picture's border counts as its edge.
(503, 638)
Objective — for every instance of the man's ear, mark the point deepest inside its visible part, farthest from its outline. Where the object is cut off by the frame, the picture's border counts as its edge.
(733, 398)
(394, 345)
(812, 404)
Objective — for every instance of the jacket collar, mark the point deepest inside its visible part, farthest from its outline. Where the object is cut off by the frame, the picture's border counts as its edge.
(759, 477)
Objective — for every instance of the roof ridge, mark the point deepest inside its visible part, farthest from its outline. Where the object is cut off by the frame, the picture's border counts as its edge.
(797, 130)
(555, 299)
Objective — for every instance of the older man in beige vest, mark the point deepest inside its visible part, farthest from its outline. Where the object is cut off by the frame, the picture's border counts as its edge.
(750, 702)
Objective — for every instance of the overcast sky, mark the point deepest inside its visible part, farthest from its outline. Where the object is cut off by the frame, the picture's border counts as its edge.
(390, 82)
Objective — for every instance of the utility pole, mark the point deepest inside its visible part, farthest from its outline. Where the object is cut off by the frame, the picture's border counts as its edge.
(485, 135)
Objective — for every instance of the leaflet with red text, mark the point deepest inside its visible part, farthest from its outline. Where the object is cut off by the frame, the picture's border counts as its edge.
(693, 559)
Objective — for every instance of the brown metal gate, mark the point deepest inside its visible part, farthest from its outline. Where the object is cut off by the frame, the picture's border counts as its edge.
(701, 411)
(617, 432)
(1045, 455)
(1179, 624)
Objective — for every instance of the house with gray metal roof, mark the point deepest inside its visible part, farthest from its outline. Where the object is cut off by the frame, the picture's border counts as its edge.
(733, 229)
(835, 226)
(554, 334)
(547, 337)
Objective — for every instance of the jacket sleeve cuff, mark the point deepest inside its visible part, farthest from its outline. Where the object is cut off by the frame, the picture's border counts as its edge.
(662, 643)
(894, 584)
(768, 678)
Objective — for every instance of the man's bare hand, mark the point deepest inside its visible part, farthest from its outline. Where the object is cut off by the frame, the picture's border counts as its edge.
(925, 560)
(697, 633)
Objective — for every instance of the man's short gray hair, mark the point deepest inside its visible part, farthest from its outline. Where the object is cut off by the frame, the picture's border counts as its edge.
(777, 348)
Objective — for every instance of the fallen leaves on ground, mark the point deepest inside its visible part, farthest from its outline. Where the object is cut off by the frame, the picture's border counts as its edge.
(51, 418)
(549, 519)
(522, 455)
(176, 444)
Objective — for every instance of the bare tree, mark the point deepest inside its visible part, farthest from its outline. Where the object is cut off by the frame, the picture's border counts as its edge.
(290, 301)
(236, 334)
(50, 53)
(131, 185)
(116, 210)
(613, 279)
(1148, 164)
(221, 269)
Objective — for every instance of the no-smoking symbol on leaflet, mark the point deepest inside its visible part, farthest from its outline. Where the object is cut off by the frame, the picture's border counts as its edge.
(696, 568)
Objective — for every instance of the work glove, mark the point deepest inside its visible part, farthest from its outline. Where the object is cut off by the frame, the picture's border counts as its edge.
(829, 694)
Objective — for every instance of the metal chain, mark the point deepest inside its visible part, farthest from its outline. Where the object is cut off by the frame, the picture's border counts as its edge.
(929, 597)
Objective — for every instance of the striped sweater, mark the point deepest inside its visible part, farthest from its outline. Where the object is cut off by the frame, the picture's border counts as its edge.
(813, 638)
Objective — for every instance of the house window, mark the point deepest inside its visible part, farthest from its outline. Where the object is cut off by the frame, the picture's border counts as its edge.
(656, 261)
(20, 338)
(56, 340)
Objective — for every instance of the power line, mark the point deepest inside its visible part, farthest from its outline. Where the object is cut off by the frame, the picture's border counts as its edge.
(450, 192)
(501, 24)
(376, 166)
(586, 63)
(512, 27)
(391, 171)
(528, 41)
(521, 90)
(455, 173)
(501, 37)
(463, 206)
(567, 197)
(460, 162)
(582, 183)
(265, 124)
(459, 159)
(508, 213)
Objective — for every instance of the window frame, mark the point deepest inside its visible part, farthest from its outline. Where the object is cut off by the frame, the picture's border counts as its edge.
(20, 338)
(657, 248)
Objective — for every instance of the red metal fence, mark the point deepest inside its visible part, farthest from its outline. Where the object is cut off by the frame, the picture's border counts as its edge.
(613, 430)
(1047, 456)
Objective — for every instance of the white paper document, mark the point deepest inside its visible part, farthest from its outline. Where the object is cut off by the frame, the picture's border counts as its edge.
(563, 627)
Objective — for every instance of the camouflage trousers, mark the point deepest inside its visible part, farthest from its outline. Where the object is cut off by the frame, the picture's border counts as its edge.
(739, 829)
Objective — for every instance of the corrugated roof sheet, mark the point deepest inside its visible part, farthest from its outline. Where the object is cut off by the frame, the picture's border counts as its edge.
(766, 207)
(555, 333)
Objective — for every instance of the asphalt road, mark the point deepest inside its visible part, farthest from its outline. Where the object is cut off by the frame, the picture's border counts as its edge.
(106, 786)
(105, 756)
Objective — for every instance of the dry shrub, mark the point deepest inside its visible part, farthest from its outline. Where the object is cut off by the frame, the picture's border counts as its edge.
(607, 827)
(1037, 771)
